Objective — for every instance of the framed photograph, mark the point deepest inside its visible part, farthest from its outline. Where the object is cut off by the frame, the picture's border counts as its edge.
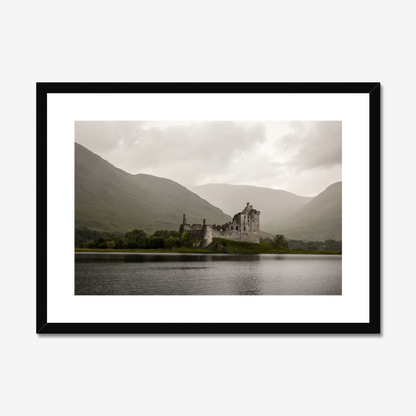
(208, 208)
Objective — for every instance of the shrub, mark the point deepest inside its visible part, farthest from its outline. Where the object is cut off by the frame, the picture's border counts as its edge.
(156, 242)
(279, 241)
(186, 240)
(171, 242)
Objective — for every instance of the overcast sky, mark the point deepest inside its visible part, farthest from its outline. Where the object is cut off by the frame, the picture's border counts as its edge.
(303, 157)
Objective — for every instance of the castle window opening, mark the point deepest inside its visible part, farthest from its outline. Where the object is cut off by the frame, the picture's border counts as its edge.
(236, 227)
(244, 228)
(231, 227)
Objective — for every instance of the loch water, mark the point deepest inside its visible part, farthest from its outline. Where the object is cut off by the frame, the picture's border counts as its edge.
(207, 274)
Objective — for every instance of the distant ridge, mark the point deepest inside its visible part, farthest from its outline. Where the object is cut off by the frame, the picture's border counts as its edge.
(273, 204)
(110, 199)
(297, 217)
(319, 220)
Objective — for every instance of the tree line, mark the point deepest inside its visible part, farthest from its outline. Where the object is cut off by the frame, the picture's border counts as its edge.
(84, 235)
(330, 244)
(86, 238)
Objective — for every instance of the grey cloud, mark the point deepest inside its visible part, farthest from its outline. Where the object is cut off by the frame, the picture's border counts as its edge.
(203, 147)
(191, 153)
(104, 136)
(313, 145)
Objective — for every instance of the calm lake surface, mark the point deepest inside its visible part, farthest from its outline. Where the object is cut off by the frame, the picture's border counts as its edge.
(207, 274)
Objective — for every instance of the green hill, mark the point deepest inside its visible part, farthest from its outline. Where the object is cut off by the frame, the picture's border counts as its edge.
(318, 220)
(109, 199)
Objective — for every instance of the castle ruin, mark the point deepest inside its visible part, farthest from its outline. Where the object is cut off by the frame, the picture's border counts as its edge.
(245, 226)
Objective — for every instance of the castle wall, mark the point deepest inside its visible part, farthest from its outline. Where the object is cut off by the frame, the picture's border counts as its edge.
(244, 227)
(208, 234)
(196, 231)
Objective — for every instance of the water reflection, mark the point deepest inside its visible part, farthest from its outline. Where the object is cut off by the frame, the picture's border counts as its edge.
(247, 285)
(206, 274)
(159, 257)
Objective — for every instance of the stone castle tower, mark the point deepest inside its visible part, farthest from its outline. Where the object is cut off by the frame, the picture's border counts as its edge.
(245, 226)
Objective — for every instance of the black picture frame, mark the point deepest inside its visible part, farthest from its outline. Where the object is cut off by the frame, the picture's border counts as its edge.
(44, 327)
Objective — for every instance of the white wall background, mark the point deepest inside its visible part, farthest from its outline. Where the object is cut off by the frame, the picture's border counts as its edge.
(210, 41)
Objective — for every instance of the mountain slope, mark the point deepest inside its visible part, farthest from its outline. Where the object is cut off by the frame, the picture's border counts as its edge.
(319, 220)
(273, 204)
(107, 198)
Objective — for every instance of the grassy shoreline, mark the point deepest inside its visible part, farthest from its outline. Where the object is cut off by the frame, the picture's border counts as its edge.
(229, 250)
(218, 246)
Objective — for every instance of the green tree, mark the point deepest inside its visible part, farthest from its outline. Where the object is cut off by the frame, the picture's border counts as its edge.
(174, 241)
(333, 244)
(265, 240)
(99, 241)
(165, 233)
(127, 244)
(170, 242)
(84, 235)
(111, 244)
(156, 242)
(135, 239)
(118, 242)
(186, 240)
(279, 241)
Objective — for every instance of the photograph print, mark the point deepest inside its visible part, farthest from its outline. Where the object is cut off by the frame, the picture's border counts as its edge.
(208, 207)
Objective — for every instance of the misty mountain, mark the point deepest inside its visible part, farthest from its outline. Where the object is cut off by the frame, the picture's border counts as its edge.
(297, 217)
(274, 205)
(108, 198)
(318, 220)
